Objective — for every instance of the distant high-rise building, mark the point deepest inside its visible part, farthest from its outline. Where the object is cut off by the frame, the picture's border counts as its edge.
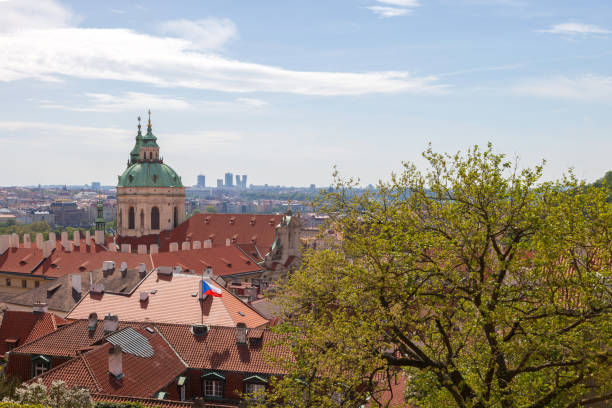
(244, 181)
(238, 183)
(95, 185)
(229, 179)
(201, 181)
(219, 183)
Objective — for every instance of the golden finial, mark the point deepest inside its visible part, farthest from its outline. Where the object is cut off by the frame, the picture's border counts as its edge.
(149, 125)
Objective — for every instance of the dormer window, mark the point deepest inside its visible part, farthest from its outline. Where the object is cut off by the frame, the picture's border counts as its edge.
(131, 178)
(155, 178)
(254, 384)
(213, 385)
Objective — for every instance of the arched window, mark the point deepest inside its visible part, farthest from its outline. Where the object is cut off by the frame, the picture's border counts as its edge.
(150, 155)
(154, 218)
(175, 217)
(131, 219)
(120, 220)
(141, 219)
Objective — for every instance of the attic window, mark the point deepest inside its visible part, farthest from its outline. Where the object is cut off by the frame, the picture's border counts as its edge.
(131, 178)
(155, 178)
(207, 220)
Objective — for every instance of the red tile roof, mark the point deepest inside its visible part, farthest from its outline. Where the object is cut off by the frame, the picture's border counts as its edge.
(239, 228)
(150, 402)
(19, 327)
(61, 263)
(20, 260)
(172, 302)
(225, 260)
(142, 376)
(69, 339)
(218, 350)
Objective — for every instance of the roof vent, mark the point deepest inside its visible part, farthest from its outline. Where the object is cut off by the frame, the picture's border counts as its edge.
(144, 296)
(198, 329)
(207, 220)
(232, 220)
(252, 221)
(164, 270)
(92, 321)
(178, 269)
(150, 329)
(111, 323)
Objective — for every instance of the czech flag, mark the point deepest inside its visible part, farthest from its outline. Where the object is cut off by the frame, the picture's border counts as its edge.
(208, 289)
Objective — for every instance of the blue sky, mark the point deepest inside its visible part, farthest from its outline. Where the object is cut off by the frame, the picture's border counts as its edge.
(284, 90)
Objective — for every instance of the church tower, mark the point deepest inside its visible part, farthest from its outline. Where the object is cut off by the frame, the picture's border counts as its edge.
(150, 195)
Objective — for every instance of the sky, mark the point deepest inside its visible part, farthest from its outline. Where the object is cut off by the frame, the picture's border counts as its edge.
(284, 90)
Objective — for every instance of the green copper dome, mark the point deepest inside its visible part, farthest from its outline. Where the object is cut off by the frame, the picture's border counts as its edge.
(149, 174)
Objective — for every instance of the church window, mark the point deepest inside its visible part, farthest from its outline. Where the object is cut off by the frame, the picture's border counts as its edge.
(155, 218)
(141, 219)
(131, 219)
(131, 178)
(155, 178)
(175, 217)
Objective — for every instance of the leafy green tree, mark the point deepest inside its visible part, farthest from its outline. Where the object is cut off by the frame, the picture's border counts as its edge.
(474, 281)
(606, 181)
(210, 209)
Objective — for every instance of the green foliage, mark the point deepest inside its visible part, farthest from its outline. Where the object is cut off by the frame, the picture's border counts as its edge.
(8, 385)
(479, 284)
(21, 229)
(606, 181)
(6, 404)
(211, 210)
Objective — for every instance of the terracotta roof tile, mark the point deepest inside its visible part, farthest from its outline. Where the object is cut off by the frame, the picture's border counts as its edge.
(172, 302)
(61, 263)
(142, 376)
(218, 350)
(69, 339)
(224, 260)
(149, 402)
(20, 260)
(201, 227)
(21, 327)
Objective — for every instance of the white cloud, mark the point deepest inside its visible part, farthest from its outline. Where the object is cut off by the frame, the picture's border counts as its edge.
(16, 15)
(101, 102)
(51, 134)
(394, 8)
(126, 55)
(400, 3)
(576, 29)
(205, 34)
(257, 103)
(385, 11)
(585, 88)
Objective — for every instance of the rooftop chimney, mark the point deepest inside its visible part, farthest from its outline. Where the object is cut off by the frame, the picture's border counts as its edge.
(228, 242)
(76, 286)
(108, 266)
(115, 361)
(142, 270)
(92, 321)
(97, 288)
(4, 243)
(241, 333)
(40, 307)
(144, 296)
(123, 268)
(111, 323)
(164, 270)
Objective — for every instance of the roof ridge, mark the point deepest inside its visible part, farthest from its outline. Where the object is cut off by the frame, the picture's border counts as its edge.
(90, 371)
(171, 346)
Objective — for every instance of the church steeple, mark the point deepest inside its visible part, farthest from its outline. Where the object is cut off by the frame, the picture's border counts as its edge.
(149, 151)
(100, 221)
(135, 153)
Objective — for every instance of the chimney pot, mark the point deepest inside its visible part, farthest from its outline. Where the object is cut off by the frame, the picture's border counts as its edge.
(115, 361)
(92, 322)
(40, 307)
(111, 323)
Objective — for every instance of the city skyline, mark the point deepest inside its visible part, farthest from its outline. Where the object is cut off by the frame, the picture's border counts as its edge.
(283, 92)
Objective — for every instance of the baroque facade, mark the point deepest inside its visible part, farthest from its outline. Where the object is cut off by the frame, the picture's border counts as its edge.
(150, 194)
